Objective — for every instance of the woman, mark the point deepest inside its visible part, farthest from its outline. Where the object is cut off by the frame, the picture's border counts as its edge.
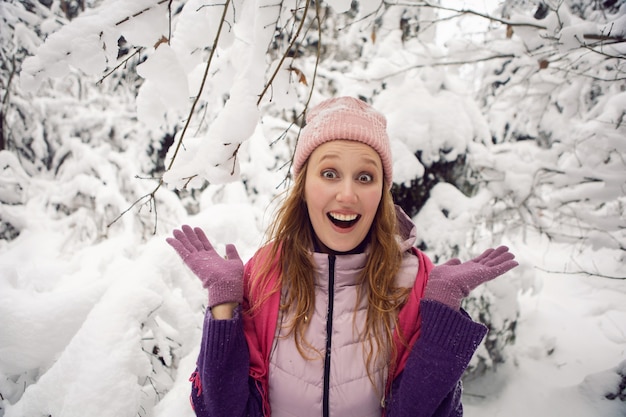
(338, 315)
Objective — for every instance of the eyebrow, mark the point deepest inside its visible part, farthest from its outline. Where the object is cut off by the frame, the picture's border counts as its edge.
(369, 160)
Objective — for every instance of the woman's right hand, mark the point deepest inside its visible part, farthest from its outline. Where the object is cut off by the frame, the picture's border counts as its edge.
(221, 276)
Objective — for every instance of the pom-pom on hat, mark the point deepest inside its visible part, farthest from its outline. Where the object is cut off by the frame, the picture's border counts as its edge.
(344, 118)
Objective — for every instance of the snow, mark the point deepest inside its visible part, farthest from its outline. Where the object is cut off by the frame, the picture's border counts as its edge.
(164, 72)
(571, 338)
(149, 23)
(76, 308)
(106, 321)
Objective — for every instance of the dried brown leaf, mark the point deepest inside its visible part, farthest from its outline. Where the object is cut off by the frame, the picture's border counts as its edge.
(160, 41)
(299, 74)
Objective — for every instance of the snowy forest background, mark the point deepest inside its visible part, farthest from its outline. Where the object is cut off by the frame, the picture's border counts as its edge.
(121, 120)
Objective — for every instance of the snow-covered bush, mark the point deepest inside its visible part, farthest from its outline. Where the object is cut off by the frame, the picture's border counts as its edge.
(567, 81)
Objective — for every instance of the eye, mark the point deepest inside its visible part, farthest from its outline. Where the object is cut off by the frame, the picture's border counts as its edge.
(329, 174)
(365, 178)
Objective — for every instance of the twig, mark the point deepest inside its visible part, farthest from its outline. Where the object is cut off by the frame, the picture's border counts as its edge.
(591, 274)
(138, 50)
(440, 64)
(169, 22)
(204, 78)
(189, 180)
(5, 105)
(127, 18)
(471, 12)
(234, 158)
(308, 100)
(614, 39)
(151, 196)
(282, 58)
(568, 71)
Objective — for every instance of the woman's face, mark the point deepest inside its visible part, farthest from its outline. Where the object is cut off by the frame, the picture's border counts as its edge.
(342, 190)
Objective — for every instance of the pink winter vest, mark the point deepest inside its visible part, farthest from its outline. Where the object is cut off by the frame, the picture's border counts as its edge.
(261, 329)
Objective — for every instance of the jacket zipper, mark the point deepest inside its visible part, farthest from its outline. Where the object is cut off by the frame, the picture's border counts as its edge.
(329, 335)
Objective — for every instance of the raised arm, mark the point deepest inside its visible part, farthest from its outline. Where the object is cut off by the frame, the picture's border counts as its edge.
(430, 385)
(220, 384)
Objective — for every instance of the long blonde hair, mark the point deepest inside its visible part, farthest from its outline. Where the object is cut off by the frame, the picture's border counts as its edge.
(291, 237)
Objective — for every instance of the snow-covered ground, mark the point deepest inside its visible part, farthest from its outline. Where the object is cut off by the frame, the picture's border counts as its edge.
(570, 348)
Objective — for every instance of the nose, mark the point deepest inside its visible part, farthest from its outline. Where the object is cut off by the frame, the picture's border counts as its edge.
(347, 192)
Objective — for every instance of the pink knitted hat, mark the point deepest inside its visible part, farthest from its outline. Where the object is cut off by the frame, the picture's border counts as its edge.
(344, 118)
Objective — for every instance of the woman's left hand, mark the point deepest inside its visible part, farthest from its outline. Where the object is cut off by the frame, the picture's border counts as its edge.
(451, 282)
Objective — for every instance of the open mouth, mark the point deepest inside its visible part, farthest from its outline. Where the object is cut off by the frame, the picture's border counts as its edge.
(343, 221)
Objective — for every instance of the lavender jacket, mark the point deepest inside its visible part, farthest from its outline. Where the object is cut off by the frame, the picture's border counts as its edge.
(429, 386)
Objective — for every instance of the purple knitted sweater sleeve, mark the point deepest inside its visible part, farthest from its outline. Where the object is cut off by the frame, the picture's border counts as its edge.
(430, 385)
(221, 385)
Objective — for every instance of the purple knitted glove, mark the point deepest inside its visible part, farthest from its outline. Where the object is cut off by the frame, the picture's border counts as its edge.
(451, 282)
(221, 276)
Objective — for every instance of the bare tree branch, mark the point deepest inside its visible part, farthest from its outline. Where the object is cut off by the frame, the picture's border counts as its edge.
(127, 18)
(470, 12)
(444, 63)
(592, 36)
(137, 51)
(318, 57)
(282, 58)
(5, 106)
(603, 38)
(581, 272)
(202, 84)
(151, 196)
